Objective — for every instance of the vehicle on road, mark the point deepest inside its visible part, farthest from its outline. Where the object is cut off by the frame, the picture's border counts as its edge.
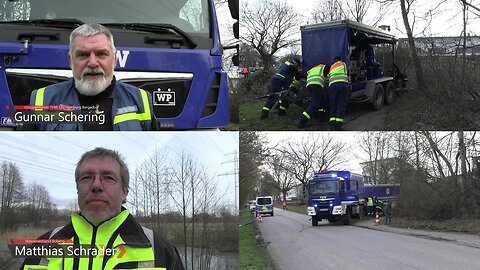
(252, 205)
(264, 205)
(341, 195)
(335, 195)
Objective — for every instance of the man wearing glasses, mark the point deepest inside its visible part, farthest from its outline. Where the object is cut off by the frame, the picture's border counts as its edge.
(102, 179)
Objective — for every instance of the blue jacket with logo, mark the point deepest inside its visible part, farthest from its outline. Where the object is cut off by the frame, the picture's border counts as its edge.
(132, 107)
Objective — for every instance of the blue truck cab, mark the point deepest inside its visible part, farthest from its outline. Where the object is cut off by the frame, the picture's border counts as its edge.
(335, 195)
(264, 205)
(170, 48)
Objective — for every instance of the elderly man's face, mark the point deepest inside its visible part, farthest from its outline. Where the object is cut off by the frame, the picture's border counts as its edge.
(99, 188)
(92, 61)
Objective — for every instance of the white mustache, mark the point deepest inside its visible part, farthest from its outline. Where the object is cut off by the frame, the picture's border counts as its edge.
(97, 70)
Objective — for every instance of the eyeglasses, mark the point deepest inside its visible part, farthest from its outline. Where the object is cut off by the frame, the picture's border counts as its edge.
(106, 179)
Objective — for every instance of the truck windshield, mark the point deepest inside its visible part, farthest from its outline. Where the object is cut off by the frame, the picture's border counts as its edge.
(322, 188)
(191, 16)
(264, 201)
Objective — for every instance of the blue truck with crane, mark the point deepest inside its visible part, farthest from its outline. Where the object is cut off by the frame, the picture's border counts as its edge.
(342, 195)
(170, 48)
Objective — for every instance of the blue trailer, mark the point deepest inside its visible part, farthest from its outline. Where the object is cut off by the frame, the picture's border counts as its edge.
(335, 195)
(170, 48)
(384, 192)
(352, 41)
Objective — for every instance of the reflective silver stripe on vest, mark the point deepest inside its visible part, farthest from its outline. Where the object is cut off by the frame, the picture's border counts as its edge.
(44, 261)
(149, 234)
(55, 231)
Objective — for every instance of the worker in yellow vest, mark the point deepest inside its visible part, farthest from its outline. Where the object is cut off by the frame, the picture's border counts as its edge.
(105, 229)
(338, 93)
(316, 85)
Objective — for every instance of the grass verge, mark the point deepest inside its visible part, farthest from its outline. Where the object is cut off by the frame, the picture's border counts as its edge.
(250, 118)
(252, 256)
(452, 225)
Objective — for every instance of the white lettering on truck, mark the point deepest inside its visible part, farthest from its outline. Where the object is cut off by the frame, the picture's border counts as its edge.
(122, 57)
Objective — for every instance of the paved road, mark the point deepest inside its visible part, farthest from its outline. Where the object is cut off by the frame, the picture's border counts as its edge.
(294, 244)
(361, 117)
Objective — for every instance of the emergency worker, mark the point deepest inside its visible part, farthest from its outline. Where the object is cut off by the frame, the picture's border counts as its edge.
(316, 85)
(388, 212)
(92, 58)
(102, 179)
(370, 206)
(281, 80)
(338, 93)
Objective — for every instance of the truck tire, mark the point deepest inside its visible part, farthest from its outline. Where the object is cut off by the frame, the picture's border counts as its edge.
(389, 93)
(346, 218)
(378, 97)
(314, 221)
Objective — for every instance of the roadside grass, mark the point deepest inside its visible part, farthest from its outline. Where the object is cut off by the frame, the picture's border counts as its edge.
(452, 225)
(405, 113)
(252, 256)
(415, 111)
(250, 118)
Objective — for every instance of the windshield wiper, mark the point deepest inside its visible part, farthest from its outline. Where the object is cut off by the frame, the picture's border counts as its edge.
(178, 34)
(58, 23)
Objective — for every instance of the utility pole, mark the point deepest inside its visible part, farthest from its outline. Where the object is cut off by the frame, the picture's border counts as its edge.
(235, 174)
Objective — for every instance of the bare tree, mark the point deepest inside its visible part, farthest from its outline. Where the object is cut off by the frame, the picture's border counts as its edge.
(405, 6)
(283, 179)
(39, 205)
(311, 153)
(381, 159)
(329, 10)
(12, 192)
(251, 157)
(269, 26)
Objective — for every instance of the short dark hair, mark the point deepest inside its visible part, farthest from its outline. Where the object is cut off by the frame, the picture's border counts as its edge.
(337, 58)
(103, 152)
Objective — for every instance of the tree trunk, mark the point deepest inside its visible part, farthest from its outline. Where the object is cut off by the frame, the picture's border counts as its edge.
(411, 43)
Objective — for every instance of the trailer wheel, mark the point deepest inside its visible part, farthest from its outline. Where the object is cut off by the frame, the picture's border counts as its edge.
(314, 221)
(378, 97)
(389, 93)
(346, 219)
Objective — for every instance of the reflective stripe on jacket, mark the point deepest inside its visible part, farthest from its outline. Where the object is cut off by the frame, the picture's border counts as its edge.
(134, 246)
(315, 75)
(338, 73)
(284, 72)
(131, 107)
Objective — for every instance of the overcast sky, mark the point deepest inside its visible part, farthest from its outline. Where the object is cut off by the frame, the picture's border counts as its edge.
(49, 158)
(446, 20)
(355, 153)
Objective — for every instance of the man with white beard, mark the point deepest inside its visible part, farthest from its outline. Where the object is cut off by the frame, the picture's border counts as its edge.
(93, 89)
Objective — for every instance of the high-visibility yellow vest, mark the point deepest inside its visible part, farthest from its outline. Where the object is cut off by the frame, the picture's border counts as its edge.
(131, 243)
(370, 202)
(315, 75)
(338, 73)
